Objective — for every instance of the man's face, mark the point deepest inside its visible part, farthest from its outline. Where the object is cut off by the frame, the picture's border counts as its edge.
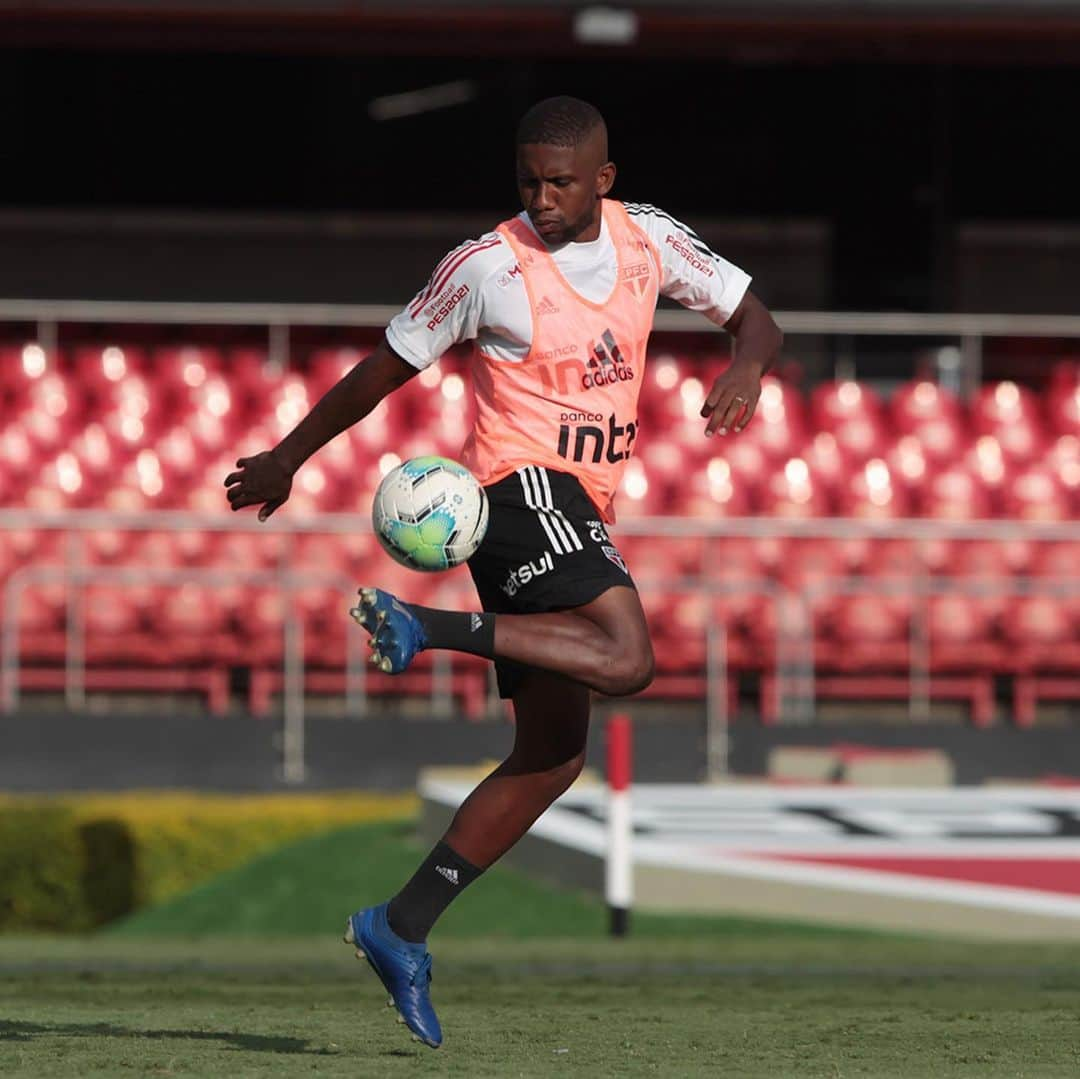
(561, 188)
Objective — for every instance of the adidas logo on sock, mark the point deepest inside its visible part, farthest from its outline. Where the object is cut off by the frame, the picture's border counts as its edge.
(475, 622)
(450, 874)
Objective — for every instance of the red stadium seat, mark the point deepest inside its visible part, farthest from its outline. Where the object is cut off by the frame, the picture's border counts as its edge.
(188, 624)
(22, 367)
(739, 572)
(1036, 494)
(322, 554)
(20, 456)
(59, 485)
(144, 474)
(872, 630)
(991, 467)
(51, 412)
(871, 491)
(1063, 458)
(113, 622)
(832, 403)
(1042, 633)
(252, 382)
(284, 404)
(99, 456)
(791, 492)
(748, 464)
(960, 635)
(709, 491)
(108, 546)
(961, 628)
(852, 414)
(1038, 625)
(167, 550)
(660, 406)
(640, 494)
(954, 493)
(907, 465)
(829, 467)
(177, 372)
(250, 551)
(315, 491)
(933, 416)
(379, 432)
(180, 458)
(42, 608)
(778, 426)
(1012, 415)
(984, 567)
(999, 403)
(814, 570)
(1063, 405)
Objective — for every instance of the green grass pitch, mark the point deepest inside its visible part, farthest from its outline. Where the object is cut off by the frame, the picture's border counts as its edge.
(525, 985)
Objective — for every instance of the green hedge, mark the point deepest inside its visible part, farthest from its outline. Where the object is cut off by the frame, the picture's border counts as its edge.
(71, 864)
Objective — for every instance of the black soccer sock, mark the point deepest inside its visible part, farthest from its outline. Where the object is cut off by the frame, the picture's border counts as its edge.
(463, 631)
(432, 888)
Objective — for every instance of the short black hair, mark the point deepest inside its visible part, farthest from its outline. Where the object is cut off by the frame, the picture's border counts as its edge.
(559, 121)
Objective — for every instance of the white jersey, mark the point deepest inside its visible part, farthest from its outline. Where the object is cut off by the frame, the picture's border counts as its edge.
(477, 293)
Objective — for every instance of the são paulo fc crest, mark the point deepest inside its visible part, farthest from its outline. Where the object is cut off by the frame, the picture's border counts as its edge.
(613, 556)
(636, 279)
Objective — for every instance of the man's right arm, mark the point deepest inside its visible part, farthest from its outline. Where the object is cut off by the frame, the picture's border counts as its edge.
(445, 312)
(345, 403)
(266, 478)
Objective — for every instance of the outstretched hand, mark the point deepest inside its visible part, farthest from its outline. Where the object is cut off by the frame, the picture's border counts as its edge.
(261, 478)
(732, 399)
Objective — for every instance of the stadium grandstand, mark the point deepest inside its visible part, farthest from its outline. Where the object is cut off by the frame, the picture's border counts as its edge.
(894, 535)
(913, 529)
(838, 833)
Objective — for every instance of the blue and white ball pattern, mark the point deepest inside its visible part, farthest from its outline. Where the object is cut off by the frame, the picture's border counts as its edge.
(430, 514)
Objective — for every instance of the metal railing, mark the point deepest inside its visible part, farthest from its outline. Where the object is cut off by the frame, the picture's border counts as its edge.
(968, 330)
(794, 629)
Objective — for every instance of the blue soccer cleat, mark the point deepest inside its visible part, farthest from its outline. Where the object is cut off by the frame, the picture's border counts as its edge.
(396, 632)
(403, 967)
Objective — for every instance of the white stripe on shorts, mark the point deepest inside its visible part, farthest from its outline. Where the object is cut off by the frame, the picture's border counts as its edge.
(532, 503)
(543, 506)
(545, 502)
(560, 517)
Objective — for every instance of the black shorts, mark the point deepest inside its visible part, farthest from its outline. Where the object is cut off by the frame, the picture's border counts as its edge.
(546, 549)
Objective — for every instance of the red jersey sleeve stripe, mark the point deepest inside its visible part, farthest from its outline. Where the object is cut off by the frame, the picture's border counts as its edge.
(429, 288)
(440, 279)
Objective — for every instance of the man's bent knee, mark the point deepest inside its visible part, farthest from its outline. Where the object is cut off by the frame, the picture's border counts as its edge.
(632, 674)
(564, 774)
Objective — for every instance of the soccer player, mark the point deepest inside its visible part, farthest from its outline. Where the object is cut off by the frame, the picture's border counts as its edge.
(559, 304)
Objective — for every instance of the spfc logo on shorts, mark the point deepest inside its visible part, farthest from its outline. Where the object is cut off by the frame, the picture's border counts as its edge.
(613, 556)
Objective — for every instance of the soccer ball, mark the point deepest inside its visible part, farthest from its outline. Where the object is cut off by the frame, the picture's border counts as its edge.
(430, 513)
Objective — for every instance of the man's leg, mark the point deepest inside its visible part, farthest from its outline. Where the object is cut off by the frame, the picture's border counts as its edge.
(551, 715)
(603, 644)
(552, 719)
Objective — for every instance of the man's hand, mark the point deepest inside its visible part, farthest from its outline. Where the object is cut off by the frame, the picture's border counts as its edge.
(734, 395)
(261, 478)
(732, 399)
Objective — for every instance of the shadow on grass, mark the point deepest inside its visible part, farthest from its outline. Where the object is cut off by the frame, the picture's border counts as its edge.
(11, 1031)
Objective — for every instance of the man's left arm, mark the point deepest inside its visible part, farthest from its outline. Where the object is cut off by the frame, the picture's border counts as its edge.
(734, 395)
(701, 280)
